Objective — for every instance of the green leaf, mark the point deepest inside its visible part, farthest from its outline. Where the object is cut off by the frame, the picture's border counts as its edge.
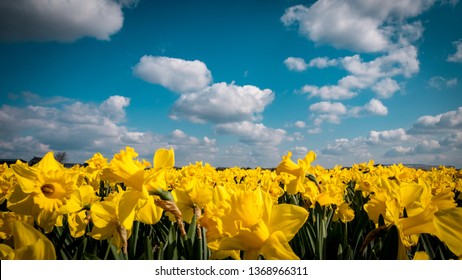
(133, 240)
(148, 255)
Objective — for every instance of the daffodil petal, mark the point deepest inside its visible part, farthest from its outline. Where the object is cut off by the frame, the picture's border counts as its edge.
(126, 208)
(26, 176)
(287, 219)
(149, 214)
(449, 228)
(48, 163)
(6, 252)
(277, 248)
(30, 244)
(164, 158)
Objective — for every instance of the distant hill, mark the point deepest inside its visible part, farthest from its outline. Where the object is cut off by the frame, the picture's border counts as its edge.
(420, 166)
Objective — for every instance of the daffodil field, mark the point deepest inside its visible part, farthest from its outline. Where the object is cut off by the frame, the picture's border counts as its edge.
(130, 209)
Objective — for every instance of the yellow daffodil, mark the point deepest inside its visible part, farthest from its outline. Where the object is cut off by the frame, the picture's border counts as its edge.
(7, 217)
(191, 194)
(29, 244)
(43, 190)
(94, 169)
(83, 198)
(7, 182)
(106, 223)
(139, 182)
(414, 210)
(299, 170)
(251, 222)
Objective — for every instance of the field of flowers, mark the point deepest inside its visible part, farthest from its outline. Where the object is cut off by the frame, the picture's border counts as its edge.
(124, 208)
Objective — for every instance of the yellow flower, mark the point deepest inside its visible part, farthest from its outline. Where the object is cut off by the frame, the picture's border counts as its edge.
(6, 182)
(414, 210)
(344, 213)
(29, 244)
(299, 170)
(6, 218)
(139, 182)
(251, 222)
(83, 198)
(43, 190)
(106, 224)
(191, 194)
(94, 169)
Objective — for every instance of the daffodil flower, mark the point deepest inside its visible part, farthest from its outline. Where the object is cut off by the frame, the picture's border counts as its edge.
(251, 222)
(300, 170)
(106, 223)
(43, 190)
(29, 244)
(137, 201)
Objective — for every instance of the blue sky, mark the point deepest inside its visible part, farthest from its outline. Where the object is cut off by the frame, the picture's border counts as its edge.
(233, 83)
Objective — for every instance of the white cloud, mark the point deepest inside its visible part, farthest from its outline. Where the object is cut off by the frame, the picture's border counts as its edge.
(253, 133)
(82, 129)
(322, 62)
(295, 64)
(261, 142)
(336, 108)
(190, 149)
(327, 112)
(423, 148)
(332, 92)
(23, 147)
(114, 106)
(376, 74)
(221, 103)
(63, 21)
(315, 130)
(176, 74)
(385, 88)
(366, 26)
(457, 56)
(376, 107)
(333, 112)
(433, 140)
(439, 82)
(387, 136)
(448, 121)
(300, 124)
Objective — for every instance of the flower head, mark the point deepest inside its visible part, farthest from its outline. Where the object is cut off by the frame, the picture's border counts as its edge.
(43, 190)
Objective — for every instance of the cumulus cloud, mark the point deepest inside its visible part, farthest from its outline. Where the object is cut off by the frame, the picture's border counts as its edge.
(376, 107)
(261, 142)
(393, 135)
(322, 62)
(376, 74)
(448, 121)
(63, 21)
(221, 103)
(385, 88)
(457, 56)
(176, 74)
(439, 82)
(295, 64)
(253, 133)
(432, 139)
(331, 92)
(189, 149)
(300, 124)
(114, 106)
(82, 129)
(366, 26)
(333, 112)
